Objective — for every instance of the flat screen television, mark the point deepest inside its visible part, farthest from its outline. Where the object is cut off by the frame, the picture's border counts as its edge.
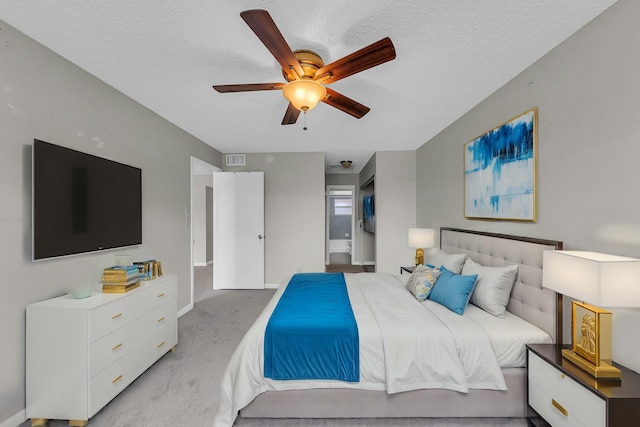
(82, 203)
(369, 214)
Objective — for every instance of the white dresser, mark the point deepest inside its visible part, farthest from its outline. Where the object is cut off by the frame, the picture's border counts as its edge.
(80, 353)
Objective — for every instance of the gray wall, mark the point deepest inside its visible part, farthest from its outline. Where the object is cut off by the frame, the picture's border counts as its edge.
(294, 205)
(391, 176)
(44, 96)
(395, 204)
(367, 186)
(587, 93)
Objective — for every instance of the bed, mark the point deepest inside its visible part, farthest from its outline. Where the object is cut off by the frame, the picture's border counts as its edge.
(385, 389)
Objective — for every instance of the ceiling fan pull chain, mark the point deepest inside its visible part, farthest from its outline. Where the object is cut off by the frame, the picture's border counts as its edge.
(305, 120)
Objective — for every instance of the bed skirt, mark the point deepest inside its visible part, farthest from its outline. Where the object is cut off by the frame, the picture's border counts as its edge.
(350, 403)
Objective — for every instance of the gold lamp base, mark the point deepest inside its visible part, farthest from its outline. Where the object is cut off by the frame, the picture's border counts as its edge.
(419, 256)
(605, 370)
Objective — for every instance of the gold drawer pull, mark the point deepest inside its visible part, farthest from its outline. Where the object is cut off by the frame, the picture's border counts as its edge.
(116, 316)
(118, 378)
(559, 407)
(161, 319)
(161, 295)
(161, 344)
(117, 347)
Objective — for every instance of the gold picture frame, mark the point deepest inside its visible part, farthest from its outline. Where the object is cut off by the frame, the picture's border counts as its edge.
(591, 337)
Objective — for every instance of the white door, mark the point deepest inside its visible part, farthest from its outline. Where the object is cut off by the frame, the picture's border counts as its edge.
(239, 230)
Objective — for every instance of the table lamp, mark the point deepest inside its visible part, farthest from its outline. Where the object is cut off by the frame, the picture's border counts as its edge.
(599, 279)
(421, 238)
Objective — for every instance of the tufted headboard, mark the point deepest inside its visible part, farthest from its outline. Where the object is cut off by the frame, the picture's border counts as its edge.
(541, 307)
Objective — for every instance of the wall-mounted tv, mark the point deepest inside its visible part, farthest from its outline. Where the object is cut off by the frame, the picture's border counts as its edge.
(369, 213)
(82, 203)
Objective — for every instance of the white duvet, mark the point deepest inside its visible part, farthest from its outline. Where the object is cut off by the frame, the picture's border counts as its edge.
(404, 345)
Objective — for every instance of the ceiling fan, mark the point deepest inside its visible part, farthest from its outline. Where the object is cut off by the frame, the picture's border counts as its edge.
(305, 72)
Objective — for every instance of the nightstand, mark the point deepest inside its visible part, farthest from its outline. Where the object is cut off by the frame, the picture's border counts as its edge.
(565, 395)
(407, 269)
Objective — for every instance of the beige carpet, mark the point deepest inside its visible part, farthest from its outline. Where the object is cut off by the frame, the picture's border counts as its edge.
(182, 388)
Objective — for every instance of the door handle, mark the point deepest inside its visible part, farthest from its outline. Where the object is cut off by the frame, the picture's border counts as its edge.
(260, 237)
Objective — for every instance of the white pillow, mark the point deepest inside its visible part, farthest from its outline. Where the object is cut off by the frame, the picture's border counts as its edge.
(493, 286)
(452, 262)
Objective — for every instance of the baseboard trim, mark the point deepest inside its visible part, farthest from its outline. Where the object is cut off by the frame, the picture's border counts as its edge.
(369, 263)
(185, 310)
(200, 264)
(16, 420)
(271, 285)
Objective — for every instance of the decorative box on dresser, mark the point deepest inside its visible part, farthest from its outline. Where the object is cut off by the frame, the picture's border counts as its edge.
(565, 395)
(80, 353)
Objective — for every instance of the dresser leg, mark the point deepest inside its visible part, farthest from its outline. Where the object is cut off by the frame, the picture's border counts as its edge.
(39, 422)
(78, 423)
(173, 349)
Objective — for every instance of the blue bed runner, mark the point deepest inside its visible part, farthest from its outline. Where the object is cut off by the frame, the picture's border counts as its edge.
(312, 332)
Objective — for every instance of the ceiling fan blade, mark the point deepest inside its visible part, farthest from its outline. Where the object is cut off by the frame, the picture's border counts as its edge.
(263, 26)
(365, 58)
(345, 104)
(291, 116)
(248, 87)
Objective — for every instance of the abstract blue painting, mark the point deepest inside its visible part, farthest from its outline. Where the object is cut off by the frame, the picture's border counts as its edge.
(500, 171)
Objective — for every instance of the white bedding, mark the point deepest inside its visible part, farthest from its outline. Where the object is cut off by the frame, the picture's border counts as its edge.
(396, 333)
(508, 335)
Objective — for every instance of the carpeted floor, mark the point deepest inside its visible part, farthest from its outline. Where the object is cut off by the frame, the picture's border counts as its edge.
(202, 282)
(182, 388)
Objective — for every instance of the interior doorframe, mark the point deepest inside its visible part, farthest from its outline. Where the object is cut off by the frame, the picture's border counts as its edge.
(353, 219)
(198, 167)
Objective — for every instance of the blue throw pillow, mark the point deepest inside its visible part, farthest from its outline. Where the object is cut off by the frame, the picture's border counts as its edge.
(453, 290)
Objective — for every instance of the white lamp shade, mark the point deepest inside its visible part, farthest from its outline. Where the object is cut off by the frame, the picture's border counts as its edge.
(593, 277)
(421, 237)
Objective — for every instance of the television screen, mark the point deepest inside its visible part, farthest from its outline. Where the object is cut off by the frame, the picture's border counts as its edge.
(83, 203)
(369, 214)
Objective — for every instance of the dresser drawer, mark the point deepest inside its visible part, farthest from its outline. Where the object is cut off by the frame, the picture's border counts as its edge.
(109, 317)
(112, 380)
(551, 392)
(109, 349)
(161, 292)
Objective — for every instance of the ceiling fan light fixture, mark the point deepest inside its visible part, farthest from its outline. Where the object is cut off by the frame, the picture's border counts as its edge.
(304, 94)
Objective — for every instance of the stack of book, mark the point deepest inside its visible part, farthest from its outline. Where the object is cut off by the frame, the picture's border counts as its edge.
(120, 278)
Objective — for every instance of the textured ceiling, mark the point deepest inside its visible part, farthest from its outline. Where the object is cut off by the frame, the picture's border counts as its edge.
(167, 54)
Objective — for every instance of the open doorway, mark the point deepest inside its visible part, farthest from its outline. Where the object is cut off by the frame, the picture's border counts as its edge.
(201, 224)
(340, 225)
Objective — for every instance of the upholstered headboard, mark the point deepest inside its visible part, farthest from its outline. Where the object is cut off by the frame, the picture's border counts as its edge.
(541, 307)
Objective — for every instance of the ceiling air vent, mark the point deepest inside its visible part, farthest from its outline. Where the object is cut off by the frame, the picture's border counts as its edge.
(235, 159)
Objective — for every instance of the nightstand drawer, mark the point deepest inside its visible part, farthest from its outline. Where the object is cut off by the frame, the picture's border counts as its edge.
(543, 405)
(561, 400)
